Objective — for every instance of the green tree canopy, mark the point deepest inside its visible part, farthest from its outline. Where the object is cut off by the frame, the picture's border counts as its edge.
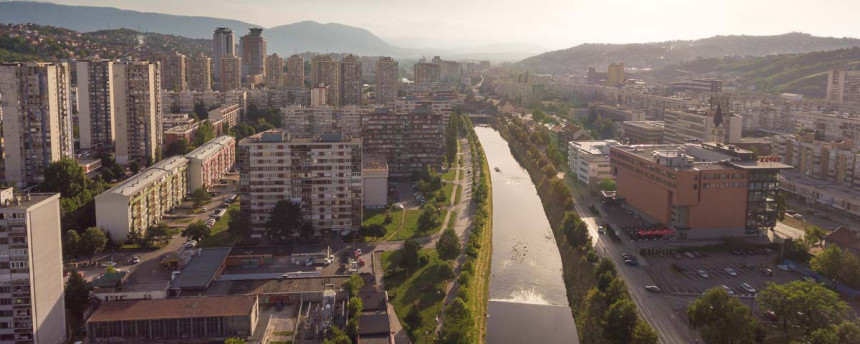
(92, 242)
(620, 321)
(205, 132)
(178, 147)
(353, 284)
(448, 245)
(238, 222)
(828, 262)
(430, 218)
(606, 184)
(197, 230)
(409, 255)
(77, 296)
(643, 333)
(200, 197)
(286, 221)
(722, 319)
(71, 240)
(804, 304)
(64, 176)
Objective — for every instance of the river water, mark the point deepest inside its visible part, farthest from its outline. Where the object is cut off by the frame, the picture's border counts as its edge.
(527, 294)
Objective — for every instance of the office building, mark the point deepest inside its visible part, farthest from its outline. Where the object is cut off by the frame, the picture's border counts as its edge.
(427, 74)
(324, 73)
(173, 68)
(200, 73)
(313, 121)
(696, 85)
(349, 81)
(274, 71)
(223, 45)
(253, 53)
(374, 182)
(843, 86)
(323, 174)
(209, 163)
(37, 120)
(137, 109)
(96, 121)
(296, 71)
(188, 320)
(228, 115)
(701, 125)
(128, 209)
(32, 307)
(590, 160)
(410, 142)
(387, 80)
(617, 113)
(615, 74)
(231, 74)
(699, 190)
(641, 132)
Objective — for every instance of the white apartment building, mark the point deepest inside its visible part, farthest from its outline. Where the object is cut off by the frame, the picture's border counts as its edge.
(138, 112)
(35, 104)
(32, 308)
(228, 114)
(142, 200)
(843, 86)
(387, 80)
(208, 163)
(302, 121)
(323, 174)
(95, 104)
(830, 126)
(590, 160)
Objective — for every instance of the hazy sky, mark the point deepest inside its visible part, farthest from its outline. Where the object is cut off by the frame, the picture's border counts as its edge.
(551, 24)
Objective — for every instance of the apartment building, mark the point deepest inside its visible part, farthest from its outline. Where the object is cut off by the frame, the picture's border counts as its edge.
(438, 104)
(615, 74)
(323, 174)
(231, 74)
(829, 126)
(138, 112)
(821, 192)
(409, 141)
(696, 85)
(449, 72)
(253, 53)
(701, 125)
(319, 95)
(641, 132)
(701, 190)
(227, 115)
(208, 163)
(276, 98)
(32, 307)
(324, 73)
(96, 121)
(427, 73)
(349, 81)
(296, 71)
(173, 68)
(617, 113)
(37, 124)
(275, 71)
(200, 73)
(302, 121)
(374, 182)
(223, 45)
(171, 120)
(387, 80)
(188, 132)
(590, 160)
(185, 101)
(832, 161)
(139, 202)
(843, 86)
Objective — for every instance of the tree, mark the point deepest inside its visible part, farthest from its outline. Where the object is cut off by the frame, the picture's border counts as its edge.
(237, 222)
(178, 147)
(285, 221)
(134, 167)
(92, 242)
(430, 218)
(458, 326)
(619, 321)
(828, 262)
(848, 332)
(197, 230)
(606, 184)
(204, 133)
(409, 255)
(815, 235)
(234, 340)
(413, 317)
(353, 284)
(71, 240)
(807, 305)
(721, 318)
(538, 115)
(824, 336)
(780, 206)
(448, 245)
(444, 270)
(354, 306)
(77, 296)
(158, 233)
(64, 176)
(200, 110)
(337, 337)
(643, 333)
(200, 197)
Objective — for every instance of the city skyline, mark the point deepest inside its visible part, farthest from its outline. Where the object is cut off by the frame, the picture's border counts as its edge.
(559, 24)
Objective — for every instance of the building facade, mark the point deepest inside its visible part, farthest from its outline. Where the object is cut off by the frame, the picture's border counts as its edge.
(349, 81)
(590, 160)
(173, 68)
(701, 126)
(210, 162)
(95, 104)
(387, 80)
(253, 53)
(427, 74)
(410, 142)
(296, 71)
(324, 73)
(843, 86)
(127, 210)
(374, 182)
(313, 121)
(322, 174)
(615, 74)
(275, 71)
(200, 73)
(223, 45)
(32, 306)
(231, 74)
(227, 114)
(138, 111)
(37, 119)
(642, 132)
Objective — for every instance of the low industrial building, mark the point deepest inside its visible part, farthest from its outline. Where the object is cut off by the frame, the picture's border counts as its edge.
(208, 163)
(181, 320)
(641, 132)
(374, 180)
(203, 268)
(142, 200)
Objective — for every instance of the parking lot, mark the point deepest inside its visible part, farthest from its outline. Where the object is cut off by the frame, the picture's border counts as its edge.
(680, 275)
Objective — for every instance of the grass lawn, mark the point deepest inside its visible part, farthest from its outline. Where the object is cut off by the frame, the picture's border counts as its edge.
(373, 216)
(448, 189)
(410, 226)
(220, 237)
(422, 288)
(449, 176)
(459, 195)
(186, 220)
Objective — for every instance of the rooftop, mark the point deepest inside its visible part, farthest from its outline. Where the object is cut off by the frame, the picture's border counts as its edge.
(374, 324)
(146, 177)
(109, 279)
(202, 268)
(374, 162)
(212, 306)
(278, 135)
(23, 201)
(210, 148)
(279, 286)
(844, 238)
(645, 124)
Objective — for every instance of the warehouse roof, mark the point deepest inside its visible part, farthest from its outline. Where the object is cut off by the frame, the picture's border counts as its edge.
(213, 306)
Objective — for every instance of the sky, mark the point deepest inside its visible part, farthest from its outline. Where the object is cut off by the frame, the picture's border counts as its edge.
(547, 24)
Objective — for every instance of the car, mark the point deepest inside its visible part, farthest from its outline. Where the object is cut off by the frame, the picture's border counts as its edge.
(783, 267)
(798, 216)
(727, 289)
(109, 263)
(190, 244)
(630, 262)
(600, 230)
(748, 288)
(675, 255)
(689, 255)
(767, 272)
(809, 279)
(791, 212)
(653, 288)
(203, 209)
(738, 252)
(703, 273)
(731, 272)
(135, 260)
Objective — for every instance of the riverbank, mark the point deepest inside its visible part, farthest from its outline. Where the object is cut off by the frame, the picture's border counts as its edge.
(480, 291)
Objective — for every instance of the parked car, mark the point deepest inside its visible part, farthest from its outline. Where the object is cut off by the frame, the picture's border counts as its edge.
(731, 272)
(600, 230)
(727, 289)
(653, 288)
(675, 255)
(135, 260)
(689, 255)
(748, 288)
(767, 272)
(783, 267)
(191, 244)
(703, 273)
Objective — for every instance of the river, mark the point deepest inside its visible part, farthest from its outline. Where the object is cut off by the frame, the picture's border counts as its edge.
(528, 302)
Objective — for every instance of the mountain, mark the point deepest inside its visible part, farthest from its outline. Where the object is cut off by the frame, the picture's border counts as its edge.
(794, 73)
(662, 54)
(326, 38)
